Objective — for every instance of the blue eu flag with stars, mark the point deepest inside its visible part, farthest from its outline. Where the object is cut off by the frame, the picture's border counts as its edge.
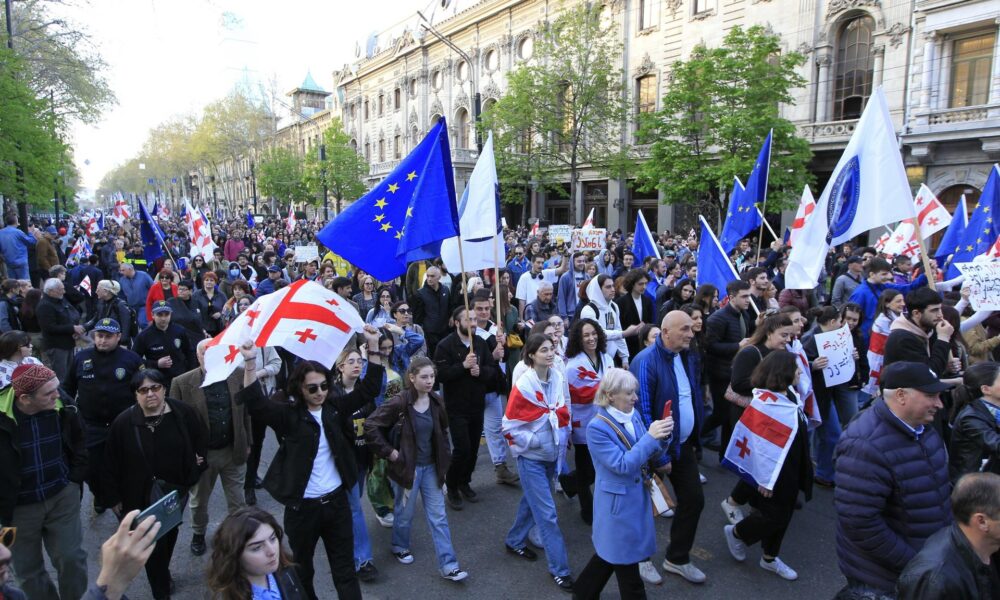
(983, 227)
(741, 218)
(151, 234)
(405, 217)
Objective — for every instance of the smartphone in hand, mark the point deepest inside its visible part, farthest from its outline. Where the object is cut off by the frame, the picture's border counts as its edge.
(667, 409)
(168, 510)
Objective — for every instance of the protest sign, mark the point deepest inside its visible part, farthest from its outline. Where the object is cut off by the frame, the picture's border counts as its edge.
(560, 233)
(983, 281)
(838, 348)
(306, 253)
(589, 240)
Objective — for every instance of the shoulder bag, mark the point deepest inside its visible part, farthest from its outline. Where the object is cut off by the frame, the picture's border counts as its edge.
(658, 493)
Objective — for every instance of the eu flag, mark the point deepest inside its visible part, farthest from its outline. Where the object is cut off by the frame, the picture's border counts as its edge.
(983, 229)
(250, 221)
(951, 242)
(741, 218)
(757, 182)
(405, 217)
(152, 235)
(713, 263)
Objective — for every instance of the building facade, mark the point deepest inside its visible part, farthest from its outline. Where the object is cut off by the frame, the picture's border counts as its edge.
(938, 62)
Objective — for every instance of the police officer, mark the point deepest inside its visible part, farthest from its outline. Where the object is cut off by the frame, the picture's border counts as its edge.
(99, 379)
(164, 345)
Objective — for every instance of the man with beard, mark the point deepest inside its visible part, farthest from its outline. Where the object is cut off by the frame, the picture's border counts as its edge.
(922, 335)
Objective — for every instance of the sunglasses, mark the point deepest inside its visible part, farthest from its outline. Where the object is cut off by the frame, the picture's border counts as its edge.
(8, 535)
(315, 387)
(404, 311)
(156, 387)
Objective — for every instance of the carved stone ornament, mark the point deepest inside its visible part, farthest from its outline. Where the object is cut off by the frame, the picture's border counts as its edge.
(673, 6)
(462, 101)
(397, 131)
(701, 16)
(492, 91)
(436, 108)
(804, 48)
(413, 117)
(896, 33)
(645, 66)
(874, 7)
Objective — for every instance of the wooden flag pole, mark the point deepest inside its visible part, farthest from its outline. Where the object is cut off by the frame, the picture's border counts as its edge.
(760, 232)
(928, 269)
(465, 296)
(496, 280)
(769, 228)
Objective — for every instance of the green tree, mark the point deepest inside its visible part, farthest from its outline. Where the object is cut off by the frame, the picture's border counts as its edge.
(718, 108)
(34, 161)
(343, 171)
(280, 175)
(573, 109)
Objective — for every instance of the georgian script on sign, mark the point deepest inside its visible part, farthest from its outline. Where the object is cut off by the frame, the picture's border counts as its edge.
(589, 240)
(838, 348)
(983, 281)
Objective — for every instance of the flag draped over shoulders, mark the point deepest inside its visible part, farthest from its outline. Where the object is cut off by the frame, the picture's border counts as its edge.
(529, 409)
(762, 438)
(583, 379)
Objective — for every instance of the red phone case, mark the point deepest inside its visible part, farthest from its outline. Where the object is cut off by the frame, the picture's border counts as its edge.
(666, 409)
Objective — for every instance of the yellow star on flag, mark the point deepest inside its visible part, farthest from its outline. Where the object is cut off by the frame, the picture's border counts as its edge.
(386, 226)
(411, 176)
(399, 234)
(379, 218)
(381, 203)
(409, 211)
(393, 187)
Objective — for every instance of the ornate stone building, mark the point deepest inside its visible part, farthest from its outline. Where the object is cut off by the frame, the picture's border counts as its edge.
(937, 60)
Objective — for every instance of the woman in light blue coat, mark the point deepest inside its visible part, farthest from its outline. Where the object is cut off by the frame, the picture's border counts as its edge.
(624, 532)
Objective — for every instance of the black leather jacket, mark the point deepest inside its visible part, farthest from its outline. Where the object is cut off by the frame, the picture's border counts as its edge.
(975, 435)
(947, 568)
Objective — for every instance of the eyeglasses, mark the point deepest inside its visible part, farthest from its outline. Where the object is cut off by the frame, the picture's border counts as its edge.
(404, 311)
(315, 387)
(155, 388)
(8, 535)
(166, 278)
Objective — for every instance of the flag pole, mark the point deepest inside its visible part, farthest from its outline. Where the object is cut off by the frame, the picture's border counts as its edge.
(926, 260)
(465, 295)
(769, 228)
(496, 278)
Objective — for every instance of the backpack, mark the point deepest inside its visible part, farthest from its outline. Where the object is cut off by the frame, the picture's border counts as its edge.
(581, 305)
(133, 322)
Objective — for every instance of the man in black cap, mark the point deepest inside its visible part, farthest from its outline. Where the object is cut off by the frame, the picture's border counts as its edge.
(267, 286)
(99, 378)
(164, 345)
(892, 486)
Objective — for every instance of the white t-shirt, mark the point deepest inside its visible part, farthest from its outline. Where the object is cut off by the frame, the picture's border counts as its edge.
(324, 477)
(528, 284)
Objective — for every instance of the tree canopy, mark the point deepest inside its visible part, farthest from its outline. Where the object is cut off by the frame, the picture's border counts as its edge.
(343, 170)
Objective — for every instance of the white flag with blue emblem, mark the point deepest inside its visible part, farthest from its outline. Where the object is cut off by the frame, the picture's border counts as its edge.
(479, 217)
(867, 189)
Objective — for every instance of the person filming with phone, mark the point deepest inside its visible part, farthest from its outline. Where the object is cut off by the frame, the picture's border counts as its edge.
(155, 447)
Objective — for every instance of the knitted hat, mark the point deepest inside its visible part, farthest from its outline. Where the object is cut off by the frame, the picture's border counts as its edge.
(27, 378)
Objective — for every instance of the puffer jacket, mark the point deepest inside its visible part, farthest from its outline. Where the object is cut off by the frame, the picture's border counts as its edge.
(892, 493)
(975, 435)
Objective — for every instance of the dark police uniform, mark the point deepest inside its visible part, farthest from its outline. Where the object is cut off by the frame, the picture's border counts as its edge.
(152, 345)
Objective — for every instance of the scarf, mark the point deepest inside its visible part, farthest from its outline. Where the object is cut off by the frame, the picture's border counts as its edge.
(528, 410)
(583, 381)
(762, 438)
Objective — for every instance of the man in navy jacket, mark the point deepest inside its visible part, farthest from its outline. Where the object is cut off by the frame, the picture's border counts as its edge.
(892, 485)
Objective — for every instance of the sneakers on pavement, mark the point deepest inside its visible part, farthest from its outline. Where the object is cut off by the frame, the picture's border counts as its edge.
(468, 494)
(565, 583)
(649, 574)
(776, 566)
(734, 514)
(385, 520)
(454, 500)
(198, 546)
(505, 475)
(687, 571)
(404, 557)
(667, 513)
(367, 571)
(736, 546)
(524, 552)
(456, 575)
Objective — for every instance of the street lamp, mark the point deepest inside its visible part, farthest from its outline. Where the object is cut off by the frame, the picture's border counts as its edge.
(474, 80)
(326, 195)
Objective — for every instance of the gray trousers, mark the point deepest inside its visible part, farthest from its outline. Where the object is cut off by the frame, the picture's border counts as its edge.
(60, 359)
(56, 524)
(220, 464)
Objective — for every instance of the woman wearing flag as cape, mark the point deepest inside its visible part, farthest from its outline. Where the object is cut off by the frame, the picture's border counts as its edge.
(770, 451)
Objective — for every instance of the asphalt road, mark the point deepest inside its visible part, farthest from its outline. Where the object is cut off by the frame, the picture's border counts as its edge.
(478, 532)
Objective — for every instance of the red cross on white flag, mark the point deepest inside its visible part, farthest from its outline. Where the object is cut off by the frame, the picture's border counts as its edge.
(199, 232)
(304, 318)
(806, 207)
(931, 214)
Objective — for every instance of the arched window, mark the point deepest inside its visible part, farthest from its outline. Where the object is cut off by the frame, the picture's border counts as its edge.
(855, 68)
(434, 119)
(462, 125)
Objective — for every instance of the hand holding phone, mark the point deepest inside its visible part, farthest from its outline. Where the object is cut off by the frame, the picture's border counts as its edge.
(667, 412)
(168, 511)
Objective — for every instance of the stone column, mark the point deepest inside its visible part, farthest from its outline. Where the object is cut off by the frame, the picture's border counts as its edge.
(994, 100)
(927, 72)
(823, 99)
(878, 65)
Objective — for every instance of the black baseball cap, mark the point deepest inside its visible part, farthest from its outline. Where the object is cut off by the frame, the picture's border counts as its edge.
(913, 375)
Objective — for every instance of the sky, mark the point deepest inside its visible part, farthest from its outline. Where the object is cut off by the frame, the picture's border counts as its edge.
(168, 57)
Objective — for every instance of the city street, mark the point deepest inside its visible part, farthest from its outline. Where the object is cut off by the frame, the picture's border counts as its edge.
(478, 531)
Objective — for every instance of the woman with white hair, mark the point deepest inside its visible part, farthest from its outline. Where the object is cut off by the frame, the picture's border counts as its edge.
(621, 447)
(110, 306)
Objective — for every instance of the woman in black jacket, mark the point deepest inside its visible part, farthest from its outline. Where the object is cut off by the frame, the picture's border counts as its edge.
(976, 429)
(249, 559)
(211, 303)
(312, 421)
(827, 319)
(157, 441)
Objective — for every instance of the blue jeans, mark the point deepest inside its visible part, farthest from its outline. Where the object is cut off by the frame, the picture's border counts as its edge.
(425, 480)
(362, 543)
(492, 419)
(846, 401)
(19, 271)
(827, 435)
(538, 508)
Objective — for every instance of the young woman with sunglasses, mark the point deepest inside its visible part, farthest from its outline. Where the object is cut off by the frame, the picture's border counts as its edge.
(314, 469)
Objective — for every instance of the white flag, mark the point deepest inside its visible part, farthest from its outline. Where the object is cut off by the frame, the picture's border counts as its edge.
(199, 233)
(807, 206)
(903, 240)
(867, 189)
(588, 223)
(931, 214)
(477, 219)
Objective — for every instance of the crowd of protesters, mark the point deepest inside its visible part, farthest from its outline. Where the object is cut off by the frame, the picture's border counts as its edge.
(588, 374)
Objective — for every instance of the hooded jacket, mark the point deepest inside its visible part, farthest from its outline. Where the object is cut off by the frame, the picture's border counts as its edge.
(607, 315)
(908, 341)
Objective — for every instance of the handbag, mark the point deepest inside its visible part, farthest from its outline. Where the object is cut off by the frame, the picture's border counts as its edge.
(160, 487)
(658, 494)
(514, 341)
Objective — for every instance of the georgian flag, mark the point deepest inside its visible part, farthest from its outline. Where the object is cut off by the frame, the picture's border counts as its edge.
(876, 353)
(588, 223)
(583, 382)
(807, 205)
(199, 232)
(762, 437)
(86, 286)
(528, 410)
(534, 230)
(931, 214)
(80, 250)
(120, 213)
(290, 226)
(304, 318)
(903, 240)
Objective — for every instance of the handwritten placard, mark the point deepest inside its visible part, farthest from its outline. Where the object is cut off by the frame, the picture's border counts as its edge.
(838, 348)
(590, 240)
(306, 253)
(983, 281)
(560, 234)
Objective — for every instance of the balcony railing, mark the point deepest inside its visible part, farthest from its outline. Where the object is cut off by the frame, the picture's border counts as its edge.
(959, 115)
(828, 131)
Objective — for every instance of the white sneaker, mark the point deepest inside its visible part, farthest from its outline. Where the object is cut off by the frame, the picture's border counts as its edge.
(687, 571)
(386, 521)
(702, 479)
(667, 513)
(776, 566)
(734, 514)
(535, 538)
(456, 575)
(649, 574)
(736, 546)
